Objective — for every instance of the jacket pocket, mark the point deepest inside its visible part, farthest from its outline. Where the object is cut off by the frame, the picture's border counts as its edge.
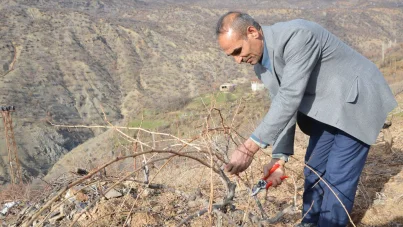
(352, 94)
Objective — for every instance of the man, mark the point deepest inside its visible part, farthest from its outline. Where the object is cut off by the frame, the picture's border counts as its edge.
(337, 96)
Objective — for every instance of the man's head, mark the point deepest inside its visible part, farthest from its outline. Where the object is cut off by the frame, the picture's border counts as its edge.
(240, 36)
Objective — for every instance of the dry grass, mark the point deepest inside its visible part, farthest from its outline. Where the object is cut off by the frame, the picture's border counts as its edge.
(22, 192)
(185, 184)
(180, 166)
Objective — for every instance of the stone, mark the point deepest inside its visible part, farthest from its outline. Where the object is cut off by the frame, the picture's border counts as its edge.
(70, 196)
(130, 184)
(74, 194)
(146, 193)
(270, 198)
(153, 203)
(7, 207)
(113, 194)
(157, 209)
(379, 202)
(192, 197)
(130, 191)
(193, 204)
(198, 193)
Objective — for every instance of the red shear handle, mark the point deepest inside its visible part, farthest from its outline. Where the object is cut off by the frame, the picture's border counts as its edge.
(269, 184)
(273, 168)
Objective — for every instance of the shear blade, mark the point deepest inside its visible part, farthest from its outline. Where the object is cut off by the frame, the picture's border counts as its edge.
(255, 191)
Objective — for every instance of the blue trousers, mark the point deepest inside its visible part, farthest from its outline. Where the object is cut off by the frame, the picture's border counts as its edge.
(339, 159)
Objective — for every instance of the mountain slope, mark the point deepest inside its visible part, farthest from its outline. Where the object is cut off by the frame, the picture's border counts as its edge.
(71, 61)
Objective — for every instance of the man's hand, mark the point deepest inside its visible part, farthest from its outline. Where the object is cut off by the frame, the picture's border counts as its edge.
(275, 176)
(242, 157)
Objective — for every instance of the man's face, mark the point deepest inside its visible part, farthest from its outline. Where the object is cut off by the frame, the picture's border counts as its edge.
(248, 50)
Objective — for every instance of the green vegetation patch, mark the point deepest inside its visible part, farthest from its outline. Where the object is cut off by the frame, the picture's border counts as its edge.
(219, 97)
(148, 124)
(225, 97)
(399, 115)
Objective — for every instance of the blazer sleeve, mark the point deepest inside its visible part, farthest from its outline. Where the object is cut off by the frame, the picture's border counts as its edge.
(285, 141)
(301, 54)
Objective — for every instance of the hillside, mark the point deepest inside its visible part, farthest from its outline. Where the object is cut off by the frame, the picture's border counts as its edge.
(176, 187)
(69, 61)
(70, 64)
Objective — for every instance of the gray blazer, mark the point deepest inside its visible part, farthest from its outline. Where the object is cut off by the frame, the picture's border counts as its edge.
(320, 76)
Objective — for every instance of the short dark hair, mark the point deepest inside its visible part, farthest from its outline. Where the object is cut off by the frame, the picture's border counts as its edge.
(239, 23)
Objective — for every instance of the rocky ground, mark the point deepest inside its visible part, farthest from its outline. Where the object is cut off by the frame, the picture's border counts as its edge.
(69, 61)
(178, 189)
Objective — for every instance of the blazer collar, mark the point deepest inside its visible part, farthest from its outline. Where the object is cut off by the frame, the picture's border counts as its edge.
(265, 61)
(268, 43)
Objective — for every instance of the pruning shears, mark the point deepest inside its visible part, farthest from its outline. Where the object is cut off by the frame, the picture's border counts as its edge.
(263, 184)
